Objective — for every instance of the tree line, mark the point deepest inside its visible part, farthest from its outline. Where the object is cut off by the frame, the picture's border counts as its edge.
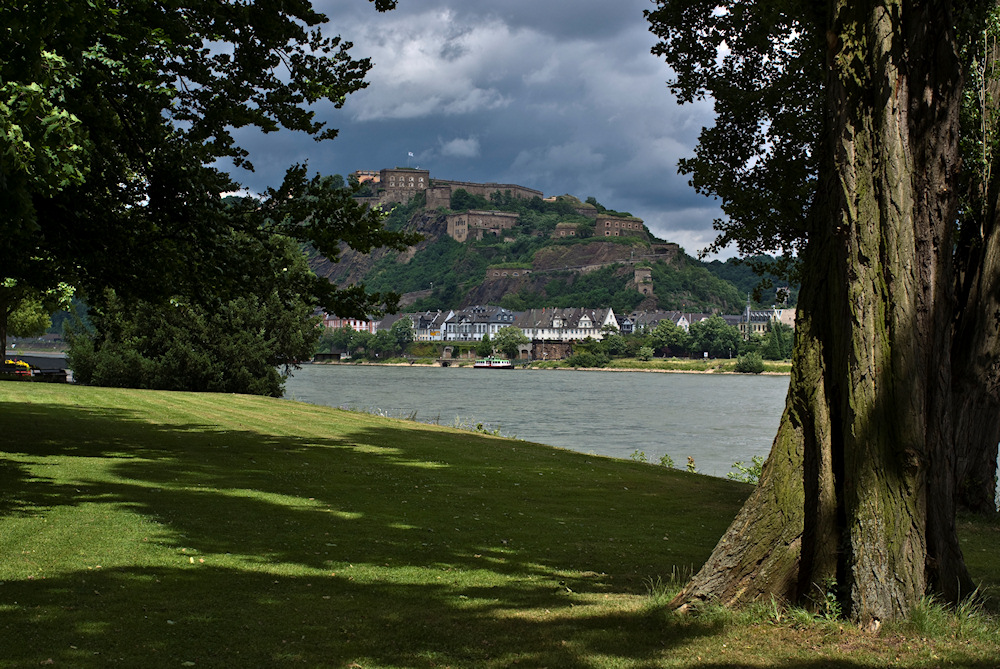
(116, 121)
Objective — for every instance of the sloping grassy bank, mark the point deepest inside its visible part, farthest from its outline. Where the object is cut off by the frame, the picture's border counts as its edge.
(172, 529)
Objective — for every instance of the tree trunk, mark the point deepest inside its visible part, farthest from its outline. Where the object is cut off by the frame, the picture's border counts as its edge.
(766, 552)
(976, 372)
(9, 298)
(866, 438)
(976, 384)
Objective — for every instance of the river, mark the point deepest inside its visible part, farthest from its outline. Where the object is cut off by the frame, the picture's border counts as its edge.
(715, 419)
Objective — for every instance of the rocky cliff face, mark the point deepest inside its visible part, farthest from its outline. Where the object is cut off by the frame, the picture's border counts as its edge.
(353, 266)
(491, 292)
(586, 256)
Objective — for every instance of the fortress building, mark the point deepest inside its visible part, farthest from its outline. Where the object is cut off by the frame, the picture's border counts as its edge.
(475, 224)
(400, 184)
(617, 226)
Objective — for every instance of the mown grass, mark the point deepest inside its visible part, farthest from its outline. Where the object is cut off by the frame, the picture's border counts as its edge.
(172, 529)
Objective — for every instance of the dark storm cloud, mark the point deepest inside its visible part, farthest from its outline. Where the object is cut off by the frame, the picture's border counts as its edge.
(562, 19)
(562, 96)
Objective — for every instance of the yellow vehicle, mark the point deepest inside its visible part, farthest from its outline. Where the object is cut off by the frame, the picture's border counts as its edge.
(17, 367)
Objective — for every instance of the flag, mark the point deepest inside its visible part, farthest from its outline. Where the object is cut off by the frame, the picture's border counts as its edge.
(410, 154)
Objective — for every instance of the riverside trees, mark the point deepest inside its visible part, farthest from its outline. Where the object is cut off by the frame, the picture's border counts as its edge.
(838, 137)
(115, 117)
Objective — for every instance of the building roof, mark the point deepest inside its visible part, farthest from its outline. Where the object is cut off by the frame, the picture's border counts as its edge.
(569, 318)
(482, 314)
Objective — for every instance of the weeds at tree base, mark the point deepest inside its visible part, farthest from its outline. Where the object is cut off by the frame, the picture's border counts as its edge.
(747, 473)
(966, 621)
(660, 591)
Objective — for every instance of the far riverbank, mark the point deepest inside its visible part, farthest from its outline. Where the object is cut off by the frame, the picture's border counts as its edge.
(670, 365)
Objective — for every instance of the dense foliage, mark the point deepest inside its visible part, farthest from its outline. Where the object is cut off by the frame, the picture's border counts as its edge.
(444, 262)
(363, 344)
(508, 340)
(117, 119)
(687, 285)
(762, 286)
(236, 345)
(450, 269)
(761, 64)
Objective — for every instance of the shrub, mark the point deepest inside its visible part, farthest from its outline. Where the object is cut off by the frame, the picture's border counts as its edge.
(587, 359)
(747, 473)
(751, 363)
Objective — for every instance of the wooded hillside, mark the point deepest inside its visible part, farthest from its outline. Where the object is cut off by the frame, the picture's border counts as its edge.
(440, 272)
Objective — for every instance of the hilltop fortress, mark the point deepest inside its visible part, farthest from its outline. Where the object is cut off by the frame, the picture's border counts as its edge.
(398, 185)
(585, 237)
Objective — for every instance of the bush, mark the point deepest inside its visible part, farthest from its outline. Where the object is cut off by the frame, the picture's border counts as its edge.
(751, 363)
(587, 359)
(747, 473)
(645, 354)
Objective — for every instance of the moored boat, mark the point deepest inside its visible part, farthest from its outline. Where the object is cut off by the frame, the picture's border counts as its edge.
(493, 362)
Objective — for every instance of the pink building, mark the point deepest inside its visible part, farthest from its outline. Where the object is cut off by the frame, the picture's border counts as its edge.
(357, 324)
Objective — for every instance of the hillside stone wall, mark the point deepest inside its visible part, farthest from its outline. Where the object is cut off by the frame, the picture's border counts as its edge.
(487, 189)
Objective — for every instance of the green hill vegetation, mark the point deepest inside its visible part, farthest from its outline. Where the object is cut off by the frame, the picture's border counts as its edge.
(454, 274)
(169, 529)
(762, 287)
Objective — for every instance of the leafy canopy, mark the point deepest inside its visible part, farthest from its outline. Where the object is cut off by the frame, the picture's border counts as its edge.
(761, 63)
(243, 344)
(116, 118)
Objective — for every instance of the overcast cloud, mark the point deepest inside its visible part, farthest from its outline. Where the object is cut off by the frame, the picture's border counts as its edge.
(562, 96)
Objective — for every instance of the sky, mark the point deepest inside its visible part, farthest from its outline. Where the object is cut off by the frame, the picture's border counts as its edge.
(562, 96)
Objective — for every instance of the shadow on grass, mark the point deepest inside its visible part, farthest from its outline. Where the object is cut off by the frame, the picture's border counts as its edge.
(375, 547)
(220, 617)
(213, 617)
(394, 494)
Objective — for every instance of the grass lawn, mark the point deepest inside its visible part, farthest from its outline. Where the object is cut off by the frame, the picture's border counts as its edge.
(154, 529)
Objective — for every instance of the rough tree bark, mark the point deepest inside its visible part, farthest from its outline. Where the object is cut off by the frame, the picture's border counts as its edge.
(976, 372)
(865, 442)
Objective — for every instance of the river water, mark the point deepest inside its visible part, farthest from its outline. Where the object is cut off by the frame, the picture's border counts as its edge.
(715, 419)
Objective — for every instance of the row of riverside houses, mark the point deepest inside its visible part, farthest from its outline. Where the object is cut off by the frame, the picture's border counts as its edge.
(550, 325)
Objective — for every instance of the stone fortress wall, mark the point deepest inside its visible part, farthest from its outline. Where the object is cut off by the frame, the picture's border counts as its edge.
(399, 184)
